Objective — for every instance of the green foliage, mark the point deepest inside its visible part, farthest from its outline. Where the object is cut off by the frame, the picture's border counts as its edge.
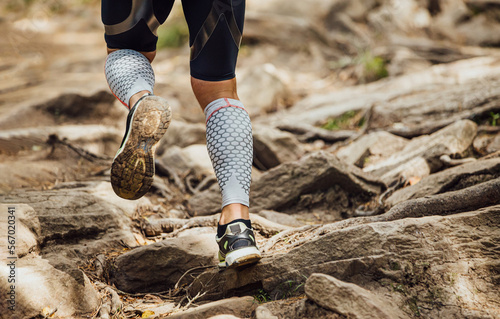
(414, 307)
(262, 296)
(173, 35)
(395, 265)
(290, 288)
(494, 118)
(399, 288)
(374, 67)
(348, 120)
(367, 66)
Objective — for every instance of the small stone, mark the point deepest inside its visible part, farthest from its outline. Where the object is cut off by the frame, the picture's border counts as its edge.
(348, 299)
(234, 307)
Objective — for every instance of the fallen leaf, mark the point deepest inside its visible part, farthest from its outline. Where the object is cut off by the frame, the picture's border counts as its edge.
(147, 313)
(414, 180)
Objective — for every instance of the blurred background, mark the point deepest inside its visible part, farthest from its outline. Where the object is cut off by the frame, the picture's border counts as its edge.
(290, 49)
(409, 67)
(360, 105)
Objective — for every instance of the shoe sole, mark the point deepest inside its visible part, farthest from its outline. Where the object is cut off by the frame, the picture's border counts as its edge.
(133, 168)
(241, 257)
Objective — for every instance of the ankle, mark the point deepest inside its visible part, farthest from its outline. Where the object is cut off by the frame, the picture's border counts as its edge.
(134, 98)
(232, 212)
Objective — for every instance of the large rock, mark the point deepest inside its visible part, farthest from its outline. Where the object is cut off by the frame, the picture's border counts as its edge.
(241, 307)
(193, 158)
(26, 230)
(487, 143)
(282, 186)
(280, 218)
(39, 285)
(449, 180)
(207, 202)
(371, 148)
(273, 147)
(453, 139)
(97, 139)
(417, 264)
(158, 267)
(262, 87)
(400, 17)
(68, 108)
(449, 92)
(182, 134)
(288, 308)
(414, 169)
(54, 163)
(78, 220)
(427, 110)
(348, 299)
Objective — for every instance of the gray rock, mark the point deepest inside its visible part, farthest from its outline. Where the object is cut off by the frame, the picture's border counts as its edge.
(262, 312)
(371, 148)
(301, 308)
(77, 220)
(39, 285)
(207, 202)
(26, 229)
(449, 180)
(411, 256)
(416, 168)
(406, 61)
(480, 30)
(453, 139)
(57, 107)
(348, 299)
(191, 158)
(182, 134)
(158, 267)
(273, 147)
(283, 185)
(98, 139)
(402, 105)
(281, 218)
(485, 143)
(263, 87)
(236, 306)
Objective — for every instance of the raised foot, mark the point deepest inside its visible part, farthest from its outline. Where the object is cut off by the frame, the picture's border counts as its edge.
(133, 168)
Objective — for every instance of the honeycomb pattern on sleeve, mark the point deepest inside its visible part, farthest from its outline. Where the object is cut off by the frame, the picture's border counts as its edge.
(128, 72)
(230, 146)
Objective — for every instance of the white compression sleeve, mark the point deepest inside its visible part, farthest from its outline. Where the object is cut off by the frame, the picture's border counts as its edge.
(230, 146)
(128, 72)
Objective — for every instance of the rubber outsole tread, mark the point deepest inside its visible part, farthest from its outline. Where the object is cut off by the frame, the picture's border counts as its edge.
(133, 169)
(247, 260)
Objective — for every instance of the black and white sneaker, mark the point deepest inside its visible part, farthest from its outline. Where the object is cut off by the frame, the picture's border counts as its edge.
(237, 246)
(133, 167)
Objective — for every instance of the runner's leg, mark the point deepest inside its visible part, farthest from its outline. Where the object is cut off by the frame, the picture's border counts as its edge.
(215, 28)
(130, 34)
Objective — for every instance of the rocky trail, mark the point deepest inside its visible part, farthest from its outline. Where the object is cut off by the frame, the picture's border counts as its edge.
(376, 179)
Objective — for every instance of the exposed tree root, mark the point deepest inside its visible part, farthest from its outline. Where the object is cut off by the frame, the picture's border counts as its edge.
(173, 226)
(429, 127)
(54, 140)
(170, 174)
(454, 202)
(308, 133)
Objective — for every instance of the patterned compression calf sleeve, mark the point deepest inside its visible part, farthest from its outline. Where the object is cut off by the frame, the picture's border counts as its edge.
(128, 72)
(230, 146)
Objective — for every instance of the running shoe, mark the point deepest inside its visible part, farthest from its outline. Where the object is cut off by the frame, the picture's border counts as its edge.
(133, 167)
(237, 246)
